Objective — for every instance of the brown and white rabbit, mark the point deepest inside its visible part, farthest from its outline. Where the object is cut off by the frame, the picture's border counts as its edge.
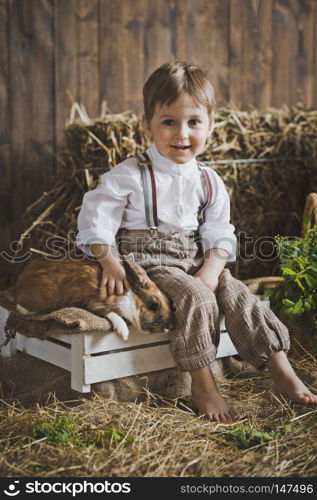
(46, 285)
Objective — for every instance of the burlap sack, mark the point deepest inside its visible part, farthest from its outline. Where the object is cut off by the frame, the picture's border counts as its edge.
(41, 326)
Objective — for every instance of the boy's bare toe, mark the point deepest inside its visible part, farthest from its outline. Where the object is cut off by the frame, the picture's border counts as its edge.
(215, 417)
(305, 398)
(311, 398)
(225, 417)
(231, 415)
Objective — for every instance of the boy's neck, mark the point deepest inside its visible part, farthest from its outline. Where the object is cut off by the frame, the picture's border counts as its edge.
(166, 165)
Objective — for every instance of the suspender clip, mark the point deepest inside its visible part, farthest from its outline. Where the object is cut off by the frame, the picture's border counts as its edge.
(153, 231)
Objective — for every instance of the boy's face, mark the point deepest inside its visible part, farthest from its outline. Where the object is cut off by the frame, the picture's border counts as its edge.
(181, 129)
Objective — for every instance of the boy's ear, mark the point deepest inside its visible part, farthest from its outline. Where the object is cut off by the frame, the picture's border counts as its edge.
(145, 124)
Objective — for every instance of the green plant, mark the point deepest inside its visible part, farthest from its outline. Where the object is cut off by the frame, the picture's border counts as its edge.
(73, 433)
(246, 437)
(62, 432)
(296, 297)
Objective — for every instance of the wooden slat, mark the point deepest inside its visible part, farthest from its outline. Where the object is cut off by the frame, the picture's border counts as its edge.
(306, 59)
(5, 157)
(250, 51)
(179, 21)
(158, 36)
(225, 347)
(262, 63)
(98, 342)
(285, 47)
(133, 42)
(45, 350)
(66, 62)
(112, 75)
(77, 359)
(88, 51)
(126, 363)
(32, 100)
(209, 30)
(236, 28)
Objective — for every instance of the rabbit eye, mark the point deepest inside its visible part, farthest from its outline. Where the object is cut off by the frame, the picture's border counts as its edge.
(154, 306)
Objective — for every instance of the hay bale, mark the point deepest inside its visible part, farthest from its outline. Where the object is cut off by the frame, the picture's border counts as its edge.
(266, 159)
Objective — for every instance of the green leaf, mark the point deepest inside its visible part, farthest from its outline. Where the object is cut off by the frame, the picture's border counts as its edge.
(289, 311)
(299, 283)
(311, 282)
(288, 302)
(288, 272)
(307, 306)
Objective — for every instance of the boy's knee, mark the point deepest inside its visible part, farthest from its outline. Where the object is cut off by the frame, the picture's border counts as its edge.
(194, 292)
(227, 283)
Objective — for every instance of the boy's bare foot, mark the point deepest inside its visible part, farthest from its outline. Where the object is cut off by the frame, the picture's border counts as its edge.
(207, 398)
(291, 387)
(286, 382)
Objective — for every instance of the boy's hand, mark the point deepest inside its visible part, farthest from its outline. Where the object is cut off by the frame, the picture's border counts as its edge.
(209, 276)
(113, 273)
(114, 278)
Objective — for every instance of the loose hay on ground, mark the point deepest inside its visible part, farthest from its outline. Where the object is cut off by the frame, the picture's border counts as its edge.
(101, 437)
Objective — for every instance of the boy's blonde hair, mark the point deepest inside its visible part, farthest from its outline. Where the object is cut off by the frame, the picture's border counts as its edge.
(173, 79)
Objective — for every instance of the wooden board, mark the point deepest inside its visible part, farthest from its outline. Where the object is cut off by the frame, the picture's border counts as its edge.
(250, 59)
(5, 134)
(126, 363)
(285, 46)
(45, 350)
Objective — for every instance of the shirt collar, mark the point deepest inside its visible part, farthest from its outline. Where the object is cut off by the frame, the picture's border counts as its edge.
(167, 166)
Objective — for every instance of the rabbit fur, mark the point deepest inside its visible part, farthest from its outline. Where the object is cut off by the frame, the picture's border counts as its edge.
(47, 285)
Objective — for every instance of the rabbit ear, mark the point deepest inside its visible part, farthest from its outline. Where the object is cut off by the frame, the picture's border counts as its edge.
(136, 276)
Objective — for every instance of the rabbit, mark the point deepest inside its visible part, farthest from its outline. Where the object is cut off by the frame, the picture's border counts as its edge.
(45, 286)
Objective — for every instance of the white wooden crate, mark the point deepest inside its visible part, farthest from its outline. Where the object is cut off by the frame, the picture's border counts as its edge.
(96, 357)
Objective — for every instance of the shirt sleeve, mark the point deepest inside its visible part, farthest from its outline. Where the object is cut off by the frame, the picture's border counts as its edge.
(216, 230)
(102, 208)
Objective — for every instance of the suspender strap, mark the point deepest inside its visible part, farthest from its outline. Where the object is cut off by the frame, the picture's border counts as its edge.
(209, 187)
(211, 196)
(149, 189)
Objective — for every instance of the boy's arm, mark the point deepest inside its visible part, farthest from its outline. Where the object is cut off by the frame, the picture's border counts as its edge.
(113, 273)
(214, 261)
(103, 208)
(216, 232)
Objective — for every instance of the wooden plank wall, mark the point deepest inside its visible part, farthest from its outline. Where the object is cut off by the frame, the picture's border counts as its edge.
(260, 52)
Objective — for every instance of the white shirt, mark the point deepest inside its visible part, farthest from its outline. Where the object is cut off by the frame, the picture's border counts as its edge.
(118, 202)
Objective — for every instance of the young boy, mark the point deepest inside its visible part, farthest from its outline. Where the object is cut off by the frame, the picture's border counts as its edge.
(149, 205)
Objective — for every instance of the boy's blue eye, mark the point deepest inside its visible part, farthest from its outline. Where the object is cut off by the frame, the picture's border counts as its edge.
(194, 121)
(168, 122)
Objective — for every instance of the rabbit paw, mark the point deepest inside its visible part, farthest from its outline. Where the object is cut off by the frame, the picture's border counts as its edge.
(119, 325)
